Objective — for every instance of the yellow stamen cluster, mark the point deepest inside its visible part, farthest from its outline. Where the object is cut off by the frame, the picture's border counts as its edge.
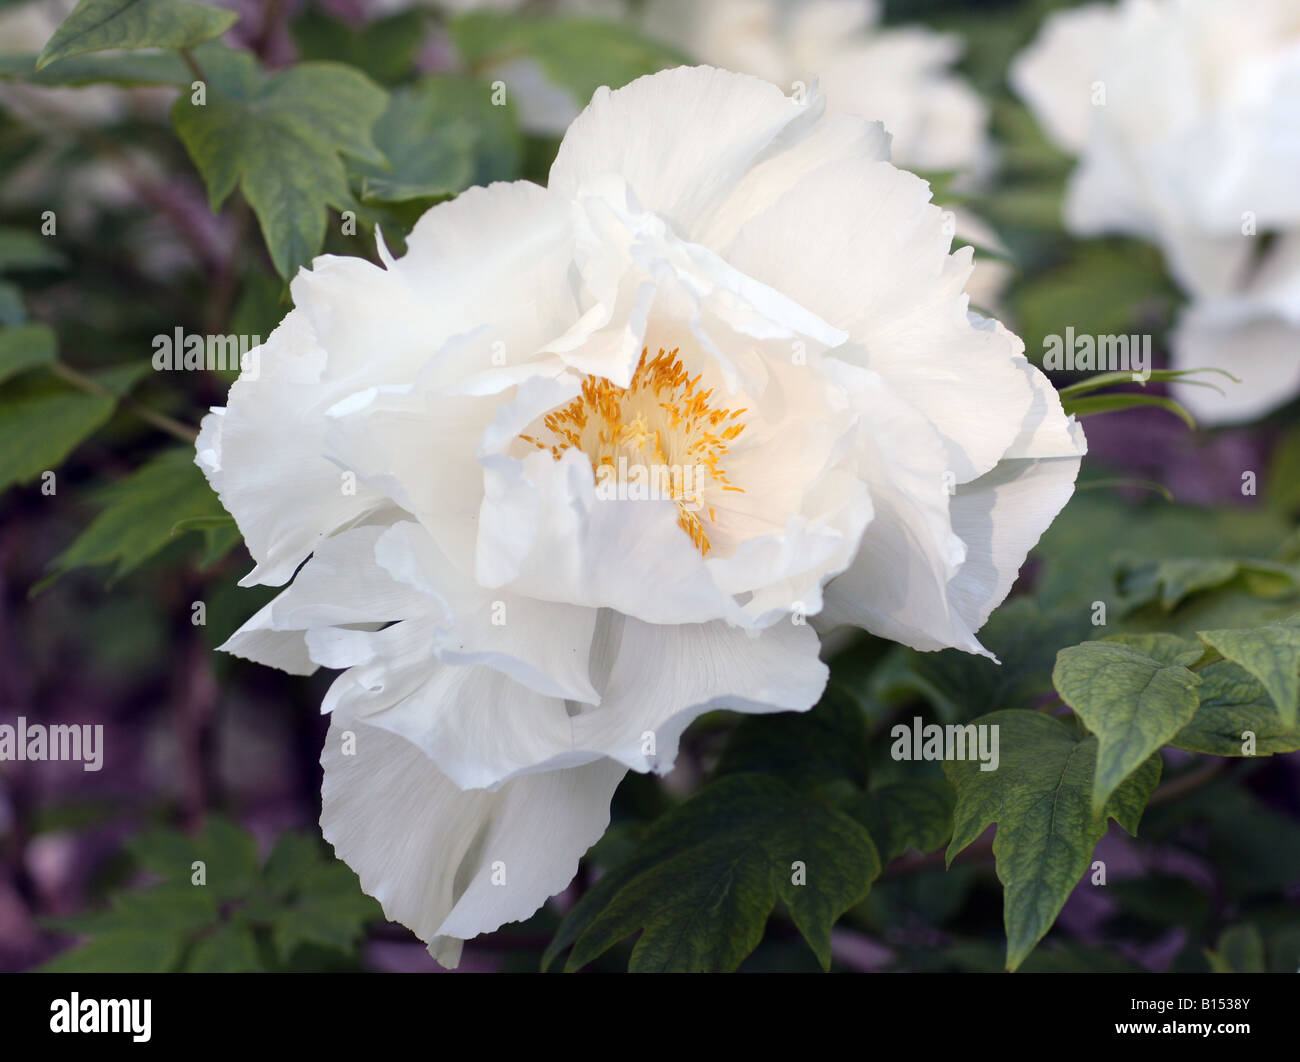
(662, 416)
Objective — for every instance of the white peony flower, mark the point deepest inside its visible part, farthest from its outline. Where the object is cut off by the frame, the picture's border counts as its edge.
(723, 289)
(1185, 116)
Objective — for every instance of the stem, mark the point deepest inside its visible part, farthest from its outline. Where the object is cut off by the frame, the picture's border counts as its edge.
(196, 720)
(161, 421)
(188, 56)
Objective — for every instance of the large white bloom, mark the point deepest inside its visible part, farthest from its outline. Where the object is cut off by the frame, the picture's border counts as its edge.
(716, 276)
(1185, 116)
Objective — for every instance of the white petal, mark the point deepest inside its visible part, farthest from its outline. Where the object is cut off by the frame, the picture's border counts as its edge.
(872, 258)
(662, 677)
(479, 726)
(340, 584)
(1001, 515)
(897, 586)
(272, 476)
(428, 851)
(258, 641)
(1258, 347)
(681, 138)
(542, 644)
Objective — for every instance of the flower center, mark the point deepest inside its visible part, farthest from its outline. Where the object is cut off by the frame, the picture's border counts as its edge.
(661, 429)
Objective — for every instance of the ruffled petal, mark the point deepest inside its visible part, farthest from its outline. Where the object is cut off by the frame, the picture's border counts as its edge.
(452, 863)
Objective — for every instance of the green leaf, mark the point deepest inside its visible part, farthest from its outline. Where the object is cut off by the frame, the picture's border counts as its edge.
(1108, 379)
(293, 858)
(38, 432)
(383, 48)
(97, 25)
(176, 908)
(578, 54)
(1282, 484)
(1025, 640)
(26, 347)
(138, 515)
(1114, 403)
(228, 854)
(1132, 702)
(21, 250)
(280, 138)
(705, 879)
(1172, 580)
(230, 948)
(1240, 950)
(807, 750)
(1102, 287)
(441, 136)
(1272, 654)
(141, 950)
(1234, 704)
(128, 69)
(1041, 798)
(302, 896)
(330, 911)
(202, 523)
(1167, 648)
(913, 814)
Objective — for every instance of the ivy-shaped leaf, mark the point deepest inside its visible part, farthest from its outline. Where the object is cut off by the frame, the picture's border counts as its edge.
(97, 25)
(807, 750)
(328, 910)
(1132, 702)
(1272, 654)
(1169, 649)
(383, 48)
(1022, 637)
(441, 136)
(1236, 717)
(279, 138)
(215, 911)
(913, 814)
(1172, 580)
(139, 513)
(1041, 798)
(39, 430)
(702, 884)
(229, 948)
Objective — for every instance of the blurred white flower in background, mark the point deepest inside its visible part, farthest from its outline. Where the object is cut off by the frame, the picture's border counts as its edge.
(1185, 117)
(897, 75)
(716, 278)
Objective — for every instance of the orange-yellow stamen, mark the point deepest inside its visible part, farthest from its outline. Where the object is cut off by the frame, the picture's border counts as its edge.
(661, 418)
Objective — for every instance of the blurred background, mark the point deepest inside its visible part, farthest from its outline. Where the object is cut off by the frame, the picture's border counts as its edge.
(98, 596)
